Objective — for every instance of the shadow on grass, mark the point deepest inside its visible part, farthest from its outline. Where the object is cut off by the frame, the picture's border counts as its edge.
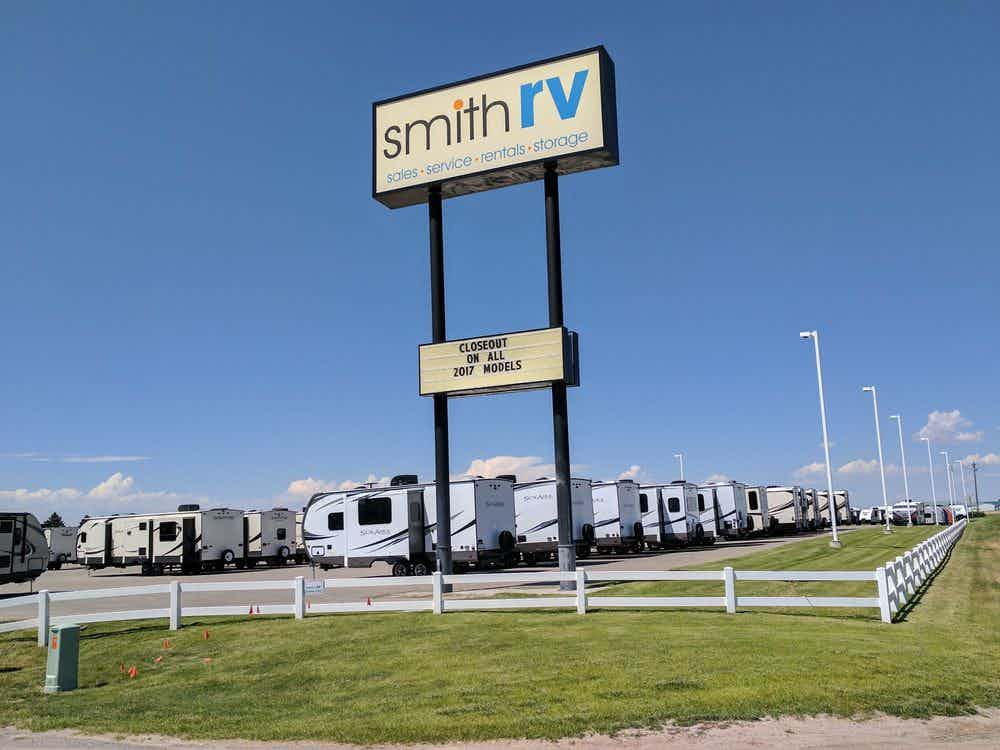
(914, 600)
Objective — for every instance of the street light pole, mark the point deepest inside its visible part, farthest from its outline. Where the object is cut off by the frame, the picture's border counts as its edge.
(680, 457)
(881, 461)
(965, 489)
(832, 501)
(951, 484)
(930, 469)
(906, 480)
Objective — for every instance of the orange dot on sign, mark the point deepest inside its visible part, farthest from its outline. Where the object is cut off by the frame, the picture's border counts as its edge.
(458, 104)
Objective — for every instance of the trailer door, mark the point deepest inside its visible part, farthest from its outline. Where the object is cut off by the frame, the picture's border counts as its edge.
(661, 515)
(415, 514)
(109, 544)
(189, 547)
(6, 546)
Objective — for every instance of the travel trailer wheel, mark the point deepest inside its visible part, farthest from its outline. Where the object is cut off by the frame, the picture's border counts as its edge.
(400, 568)
(420, 568)
(283, 554)
(228, 557)
(528, 558)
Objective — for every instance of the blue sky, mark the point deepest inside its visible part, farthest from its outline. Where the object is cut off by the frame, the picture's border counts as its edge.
(201, 299)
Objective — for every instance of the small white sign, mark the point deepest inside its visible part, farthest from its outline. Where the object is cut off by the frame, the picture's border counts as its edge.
(315, 587)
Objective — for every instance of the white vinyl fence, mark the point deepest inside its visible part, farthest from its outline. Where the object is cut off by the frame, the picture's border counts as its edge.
(896, 582)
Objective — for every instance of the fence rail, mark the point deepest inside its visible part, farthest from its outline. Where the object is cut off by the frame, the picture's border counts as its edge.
(896, 583)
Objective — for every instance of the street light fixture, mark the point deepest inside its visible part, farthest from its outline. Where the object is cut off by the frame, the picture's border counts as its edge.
(881, 461)
(902, 454)
(832, 501)
(680, 457)
(930, 470)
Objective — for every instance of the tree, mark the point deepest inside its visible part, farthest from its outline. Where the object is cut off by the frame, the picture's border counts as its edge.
(53, 522)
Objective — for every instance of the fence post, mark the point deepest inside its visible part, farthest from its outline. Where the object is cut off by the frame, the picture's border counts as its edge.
(730, 579)
(300, 597)
(883, 595)
(175, 605)
(581, 592)
(438, 591)
(43, 618)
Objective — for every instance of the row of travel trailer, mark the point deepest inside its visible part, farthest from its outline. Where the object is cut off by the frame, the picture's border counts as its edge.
(495, 523)
(500, 522)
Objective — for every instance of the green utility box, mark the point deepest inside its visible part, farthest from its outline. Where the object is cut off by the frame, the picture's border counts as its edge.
(64, 658)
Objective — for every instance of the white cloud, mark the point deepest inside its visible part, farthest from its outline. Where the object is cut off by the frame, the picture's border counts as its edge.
(525, 468)
(632, 472)
(861, 466)
(814, 469)
(949, 427)
(75, 459)
(711, 478)
(303, 489)
(116, 494)
(990, 459)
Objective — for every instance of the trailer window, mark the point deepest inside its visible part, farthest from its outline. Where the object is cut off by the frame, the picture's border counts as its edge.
(168, 531)
(373, 511)
(335, 521)
(674, 505)
(6, 526)
(142, 525)
(280, 533)
(752, 499)
(643, 503)
(83, 537)
(701, 501)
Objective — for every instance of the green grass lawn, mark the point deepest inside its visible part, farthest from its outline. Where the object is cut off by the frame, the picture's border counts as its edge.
(418, 677)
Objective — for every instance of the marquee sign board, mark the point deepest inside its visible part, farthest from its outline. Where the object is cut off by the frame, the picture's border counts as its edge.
(499, 363)
(496, 130)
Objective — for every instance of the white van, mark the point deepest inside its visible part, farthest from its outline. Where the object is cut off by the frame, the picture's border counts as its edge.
(670, 515)
(617, 519)
(397, 525)
(62, 546)
(537, 519)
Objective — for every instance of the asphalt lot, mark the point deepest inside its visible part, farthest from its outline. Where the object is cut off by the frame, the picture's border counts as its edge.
(73, 578)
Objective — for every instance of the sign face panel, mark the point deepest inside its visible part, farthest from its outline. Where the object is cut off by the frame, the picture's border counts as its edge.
(497, 363)
(315, 587)
(496, 130)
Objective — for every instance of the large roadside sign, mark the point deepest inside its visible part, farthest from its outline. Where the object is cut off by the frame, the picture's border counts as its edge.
(496, 130)
(499, 362)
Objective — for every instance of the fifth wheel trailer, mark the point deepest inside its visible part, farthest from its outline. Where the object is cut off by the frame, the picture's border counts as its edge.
(785, 505)
(62, 545)
(812, 516)
(24, 555)
(842, 504)
(189, 540)
(397, 525)
(729, 506)
(268, 537)
(670, 515)
(537, 518)
(617, 518)
(760, 521)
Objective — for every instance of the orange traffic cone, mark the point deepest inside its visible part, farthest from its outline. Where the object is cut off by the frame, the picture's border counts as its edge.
(251, 610)
(157, 660)
(166, 643)
(121, 668)
(204, 635)
(369, 602)
(258, 609)
(132, 672)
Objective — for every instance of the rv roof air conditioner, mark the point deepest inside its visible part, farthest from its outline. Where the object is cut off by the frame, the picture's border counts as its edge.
(188, 507)
(508, 477)
(401, 479)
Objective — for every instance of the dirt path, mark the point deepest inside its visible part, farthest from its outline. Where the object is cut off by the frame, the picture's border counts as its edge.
(967, 732)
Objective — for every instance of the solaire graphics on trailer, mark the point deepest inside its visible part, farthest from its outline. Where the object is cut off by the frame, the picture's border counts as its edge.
(397, 525)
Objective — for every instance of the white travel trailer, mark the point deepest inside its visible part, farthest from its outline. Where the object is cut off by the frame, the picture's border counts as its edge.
(94, 544)
(729, 512)
(189, 539)
(759, 520)
(670, 515)
(785, 506)
(268, 537)
(24, 555)
(811, 514)
(873, 515)
(843, 506)
(617, 518)
(843, 503)
(62, 546)
(904, 513)
(959, 511)
(942, 515)
(537, 519)
(398, 525)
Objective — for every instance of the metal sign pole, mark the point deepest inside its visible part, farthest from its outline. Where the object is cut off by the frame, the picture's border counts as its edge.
(560, 409)
(441, 458)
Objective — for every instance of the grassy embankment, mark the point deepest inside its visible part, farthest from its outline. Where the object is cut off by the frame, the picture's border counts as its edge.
(419, 677)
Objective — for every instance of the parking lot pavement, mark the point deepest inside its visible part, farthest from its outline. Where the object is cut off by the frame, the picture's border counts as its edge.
(73, 578)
